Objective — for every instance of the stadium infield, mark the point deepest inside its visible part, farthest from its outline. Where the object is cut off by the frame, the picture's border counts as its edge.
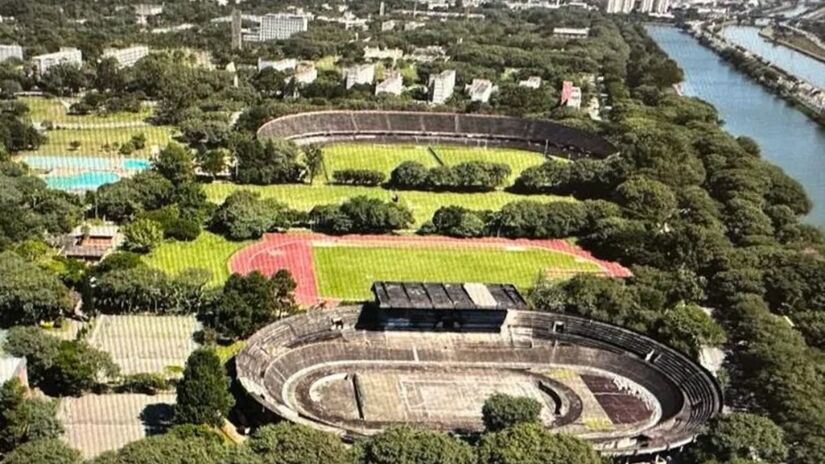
(343, 268)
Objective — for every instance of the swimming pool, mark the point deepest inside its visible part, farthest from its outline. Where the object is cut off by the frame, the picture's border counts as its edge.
(92, 163)
(75, 173)
(86, 180)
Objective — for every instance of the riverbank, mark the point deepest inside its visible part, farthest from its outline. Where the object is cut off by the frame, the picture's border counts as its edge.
(795, 40)
(805, 96)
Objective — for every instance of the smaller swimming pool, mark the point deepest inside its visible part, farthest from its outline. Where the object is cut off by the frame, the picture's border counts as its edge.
(137, 164)
(86, 180)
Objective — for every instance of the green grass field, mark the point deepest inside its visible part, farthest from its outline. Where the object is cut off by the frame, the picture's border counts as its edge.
(93, 142)
(208, 251)
(382, 158)
(347, 272)
(518, 160)
(423, 204)
(51, 109)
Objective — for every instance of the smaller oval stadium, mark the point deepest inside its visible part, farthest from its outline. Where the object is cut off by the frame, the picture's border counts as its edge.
(431, 354)
(430, 127)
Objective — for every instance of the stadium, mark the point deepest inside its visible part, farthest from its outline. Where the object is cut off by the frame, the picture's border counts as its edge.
(431, 353)
(442, 128)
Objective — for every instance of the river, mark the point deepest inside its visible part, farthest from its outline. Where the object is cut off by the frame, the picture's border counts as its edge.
(792, 61)
(788, 137)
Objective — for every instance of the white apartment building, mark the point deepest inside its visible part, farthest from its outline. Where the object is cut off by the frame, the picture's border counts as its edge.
(282, 26)
(278, 65)
(393, 84)
(661, 6)
(126, 57)
(305, 74)
(480, 90)
(66, 55)
(359, 74)
(571, 96)
(442, 86)
(377, 53)
(619, 6)
(532, 82)
(571, 32)
(646, 6)
(387, 25)
(11, 51)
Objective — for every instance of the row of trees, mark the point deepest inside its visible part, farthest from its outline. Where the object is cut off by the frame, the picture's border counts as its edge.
(522, 219)
(464, 177)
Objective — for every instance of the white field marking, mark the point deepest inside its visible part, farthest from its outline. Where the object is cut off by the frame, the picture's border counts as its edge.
(514, 248)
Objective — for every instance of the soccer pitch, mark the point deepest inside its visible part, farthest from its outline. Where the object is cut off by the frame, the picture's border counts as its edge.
(375, 157)
(347, 272)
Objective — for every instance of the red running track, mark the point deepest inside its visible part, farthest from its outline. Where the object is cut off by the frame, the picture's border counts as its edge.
(294, 253)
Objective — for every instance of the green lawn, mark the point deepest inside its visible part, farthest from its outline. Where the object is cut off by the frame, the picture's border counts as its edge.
(518, 160)
(51, 109)
(347, 272)
(93, 141)
(382, 158)
(208, 251)
(423, 204)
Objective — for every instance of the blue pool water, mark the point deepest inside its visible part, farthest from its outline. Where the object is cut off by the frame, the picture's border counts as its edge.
(83, 172)
(139, 164)
(86, 180)
(96, 163)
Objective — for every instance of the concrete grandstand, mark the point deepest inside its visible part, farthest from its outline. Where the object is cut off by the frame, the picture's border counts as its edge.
(339, 371)
(442, 128)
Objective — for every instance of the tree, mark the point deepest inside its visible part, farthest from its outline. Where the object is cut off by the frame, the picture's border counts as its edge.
(248, 303)
(409, 445)
(213, 162)
(203, 394)
(409, 174)
(314, 159)
(243, 216)
(288, 443)
(51, 451)
(645, 198)
(532, 443)
(25, 419)
(744, 436)
(175, 162)
(501, 411)
(78, 368)
(185, 444)
(29, 294)
(688, 328)
(39, 349)
(142, 235)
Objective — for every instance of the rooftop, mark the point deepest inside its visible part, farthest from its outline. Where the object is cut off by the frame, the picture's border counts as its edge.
(447, 296)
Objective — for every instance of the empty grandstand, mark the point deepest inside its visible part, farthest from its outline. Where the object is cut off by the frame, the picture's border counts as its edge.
(443, 128)
(343, 371)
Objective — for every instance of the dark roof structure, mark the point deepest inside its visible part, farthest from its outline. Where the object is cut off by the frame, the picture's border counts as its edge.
(447, 296)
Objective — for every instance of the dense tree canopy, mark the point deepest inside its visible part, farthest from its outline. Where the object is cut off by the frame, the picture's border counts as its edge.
(203, 393)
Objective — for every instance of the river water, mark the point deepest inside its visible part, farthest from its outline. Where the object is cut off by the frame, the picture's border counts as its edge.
(792, 61)
(788, 137)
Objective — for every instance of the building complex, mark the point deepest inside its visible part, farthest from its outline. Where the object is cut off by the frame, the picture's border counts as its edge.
(11, 51)
(66, 55)
(126, 57)
(442, 86)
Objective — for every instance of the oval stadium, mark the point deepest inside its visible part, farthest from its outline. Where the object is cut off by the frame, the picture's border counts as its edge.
(430, 354)
(443, 128)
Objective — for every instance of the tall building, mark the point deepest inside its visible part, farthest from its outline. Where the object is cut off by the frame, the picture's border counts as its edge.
(282, 26)
(11, 51)
(237, 30)
(126, 57)
(619, 6)
(66, 55)
(393, 84)
(661, 6)
(359, 74)
(646, 6)
(442, 86)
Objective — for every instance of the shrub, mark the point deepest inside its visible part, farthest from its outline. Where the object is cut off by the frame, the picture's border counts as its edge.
(358, 177)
